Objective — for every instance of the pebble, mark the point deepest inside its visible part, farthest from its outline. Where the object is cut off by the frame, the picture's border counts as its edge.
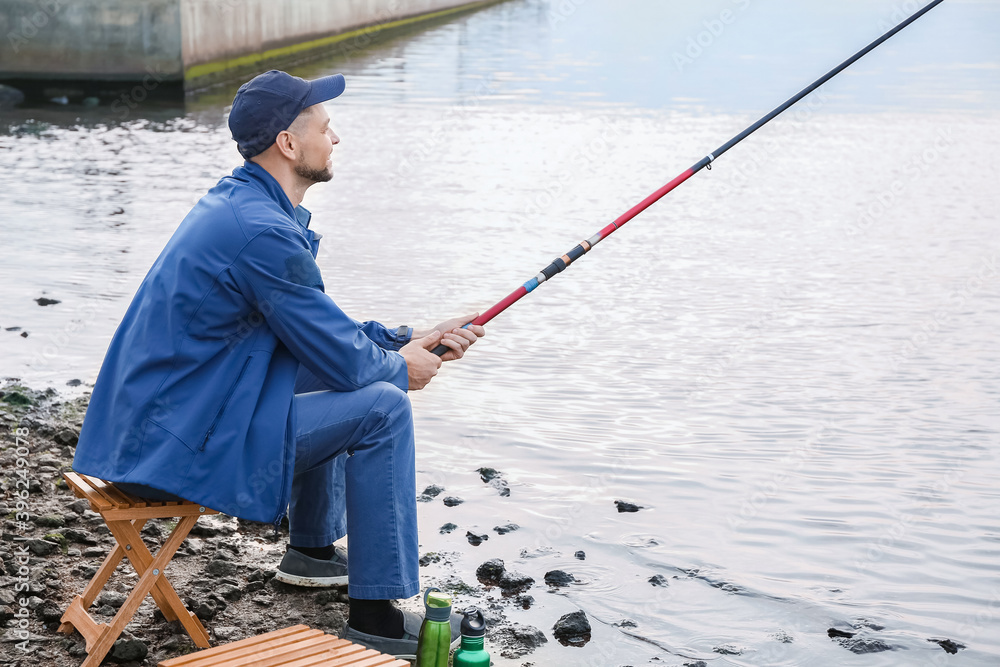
(526, 638)
(113, 599)
(580, 555)
(227, 633)
(452, 501)
(429, 558)
(430, 493)
(572, 629)
(41, 547)
(515, 582)
(219, 567)
(506, 528)
(475, 539)
(948, 645)
(626, 506)
(125, 650)
(447, 528)
(862, 645)
(488, 474)
(559, 578)
(501, 486)
(658, 580)
(490, 572)
(728, 649)
(45, 301)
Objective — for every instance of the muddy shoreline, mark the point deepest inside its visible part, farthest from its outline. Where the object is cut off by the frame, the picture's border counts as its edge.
(52, 543)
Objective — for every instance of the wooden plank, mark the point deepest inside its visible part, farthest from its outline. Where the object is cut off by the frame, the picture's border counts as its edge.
(77, 616)
(281, 653)
(290, 634)
(101, 487)
(85, 490)
(129, 513)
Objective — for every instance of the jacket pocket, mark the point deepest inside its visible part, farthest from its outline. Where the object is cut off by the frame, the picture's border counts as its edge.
(225, 404)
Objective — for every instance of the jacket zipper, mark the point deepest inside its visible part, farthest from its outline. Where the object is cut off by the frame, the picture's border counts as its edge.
(225, 404)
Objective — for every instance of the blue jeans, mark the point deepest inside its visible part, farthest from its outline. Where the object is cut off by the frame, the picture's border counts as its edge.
(355, 474)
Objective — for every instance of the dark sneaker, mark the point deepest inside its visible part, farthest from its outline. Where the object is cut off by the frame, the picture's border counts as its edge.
(405, 648)
(299, 569)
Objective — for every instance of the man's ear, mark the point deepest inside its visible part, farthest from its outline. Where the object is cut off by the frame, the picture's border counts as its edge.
(287, 144)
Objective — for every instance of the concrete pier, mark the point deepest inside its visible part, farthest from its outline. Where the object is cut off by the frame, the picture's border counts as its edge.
(190, 43)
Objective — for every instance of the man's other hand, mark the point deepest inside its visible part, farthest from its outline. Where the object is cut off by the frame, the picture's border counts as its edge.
(457, 338)
(421, 365)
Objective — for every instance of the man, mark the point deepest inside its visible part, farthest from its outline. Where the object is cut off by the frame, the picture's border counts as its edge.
(234, 381)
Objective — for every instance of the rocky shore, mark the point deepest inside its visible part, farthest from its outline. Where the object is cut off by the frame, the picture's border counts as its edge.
(52, 543)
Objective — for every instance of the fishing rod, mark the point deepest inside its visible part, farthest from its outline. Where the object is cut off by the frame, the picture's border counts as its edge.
(559, 264)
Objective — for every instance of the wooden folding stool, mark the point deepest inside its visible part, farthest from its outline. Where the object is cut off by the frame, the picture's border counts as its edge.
(297, 646)
(125, 515)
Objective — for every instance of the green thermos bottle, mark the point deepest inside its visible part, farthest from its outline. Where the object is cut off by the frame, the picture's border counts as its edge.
(434, 641)
(471, 653)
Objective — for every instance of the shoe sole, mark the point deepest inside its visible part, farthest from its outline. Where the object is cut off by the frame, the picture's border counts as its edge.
(310, 582)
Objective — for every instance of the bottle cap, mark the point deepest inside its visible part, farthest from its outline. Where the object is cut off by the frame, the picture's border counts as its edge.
(473, 625)
(437, 605)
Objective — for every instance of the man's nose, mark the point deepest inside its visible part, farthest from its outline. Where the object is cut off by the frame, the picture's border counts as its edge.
(334, 139)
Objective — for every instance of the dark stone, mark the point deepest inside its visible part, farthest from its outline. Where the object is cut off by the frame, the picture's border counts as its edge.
(476, 539)
(126, 650)
(490, 572)
(514, 582)
(948, 645)
(452, 501)
(525, 639)
(219, 567)
(626, 623)
(580, 555)
(10, 97)
(112, 598)
(67, 436)
(74, 383)
(658, 580)
(626, 506)
(203, 608)
(559, 578)
(45, 301)
(572, 629)
(48, 612)
(488, 474)
(728, 649)
(506, 528)
(42, 547)
(253, 587)
(834, 632)
(229, 592)
(429, 558)
(696, 663)
(430, 493)
(501, 486)
(525, 601)
(79, 506)
(862, 645)
(262, 575)
(24, 334)
(447, 528)
(79, 536)
(50, 521)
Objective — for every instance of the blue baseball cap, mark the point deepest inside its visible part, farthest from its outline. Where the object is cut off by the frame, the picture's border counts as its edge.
(268, 103)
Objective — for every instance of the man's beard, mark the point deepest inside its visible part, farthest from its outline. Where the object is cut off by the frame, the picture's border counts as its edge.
(315, 175)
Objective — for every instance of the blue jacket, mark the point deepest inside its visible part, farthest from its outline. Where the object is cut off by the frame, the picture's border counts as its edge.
(195, 393)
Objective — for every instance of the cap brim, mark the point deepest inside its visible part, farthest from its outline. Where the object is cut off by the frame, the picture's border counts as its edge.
(323, 89)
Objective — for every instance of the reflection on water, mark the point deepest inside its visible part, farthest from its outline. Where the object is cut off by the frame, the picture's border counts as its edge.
(789, 362)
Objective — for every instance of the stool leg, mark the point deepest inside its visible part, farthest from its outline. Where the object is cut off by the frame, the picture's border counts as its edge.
(163, 593)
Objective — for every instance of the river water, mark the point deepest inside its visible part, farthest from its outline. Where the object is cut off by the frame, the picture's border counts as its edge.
(790, 362)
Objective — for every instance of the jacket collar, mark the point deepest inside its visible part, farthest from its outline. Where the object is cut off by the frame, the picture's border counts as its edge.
(265, 182)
